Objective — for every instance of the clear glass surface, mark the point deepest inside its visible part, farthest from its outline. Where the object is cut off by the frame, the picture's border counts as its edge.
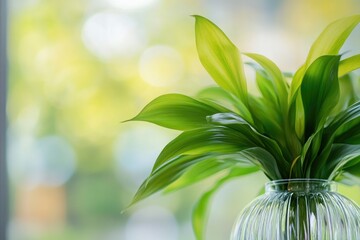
(306, 209)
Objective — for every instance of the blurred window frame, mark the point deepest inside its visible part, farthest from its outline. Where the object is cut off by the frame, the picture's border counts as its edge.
(3, 95)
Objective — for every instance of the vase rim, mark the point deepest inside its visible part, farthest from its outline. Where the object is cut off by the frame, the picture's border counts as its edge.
(286, 180)
(301, 185)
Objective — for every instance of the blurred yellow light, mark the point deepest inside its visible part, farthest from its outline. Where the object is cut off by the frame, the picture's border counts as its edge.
(161, 66)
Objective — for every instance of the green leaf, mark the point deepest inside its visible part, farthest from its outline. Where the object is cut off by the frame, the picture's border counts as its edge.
(319, 92)
(201, 209)
(295, 84)
(348, 93)
(273, 151)
(299, 117)
(274, 107)
(310, 151)
(354, 171)
(210, 167)
(329, 42)
(224, 98)
(166, 175)
(200, 212)
(279, 85)
(339, 130)
(349, 64)
(341, 120)
(271, 124)
(310, 130)
(341, 155)
(349, 134)
(262, 158)
(178, 112)
(170, 172)
(349, 130)
(214, 139)
(220, 58)
(266, 87)
(332, 38)
(295, 116)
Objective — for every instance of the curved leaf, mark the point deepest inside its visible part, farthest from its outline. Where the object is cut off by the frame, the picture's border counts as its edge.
(332, 38)
(216, 163)
(200, 212)
(348, 95)
(349, 64)
(279, 85)
(266, 86)
(341, 155)
(271, 124)
(276, 123)
(236, 123)
(329, 42)
(177, 111)
(350, 135)
(342, 119)
(335, 132)
(310, 151)
(201, 209)
(214, 139)
(224, 98)
(220, 58)
(349, 131)
(319, 92)
(262, 158)
(295, 84)
(165, 175)
(354, 171)
(170, 172)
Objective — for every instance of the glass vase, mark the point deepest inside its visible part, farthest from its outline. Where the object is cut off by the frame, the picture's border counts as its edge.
(299, 209)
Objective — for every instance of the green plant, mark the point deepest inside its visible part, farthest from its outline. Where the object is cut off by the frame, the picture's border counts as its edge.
(305, 125)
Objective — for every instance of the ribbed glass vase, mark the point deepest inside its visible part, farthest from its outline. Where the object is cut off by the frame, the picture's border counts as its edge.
(299, 209)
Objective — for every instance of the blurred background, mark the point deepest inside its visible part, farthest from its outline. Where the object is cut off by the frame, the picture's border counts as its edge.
(80, 68)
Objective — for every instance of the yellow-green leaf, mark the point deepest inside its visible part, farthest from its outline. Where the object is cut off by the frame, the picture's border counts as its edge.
(349, 64)
(332, 38)
(279, 88)
(220, 57)
(329, 42)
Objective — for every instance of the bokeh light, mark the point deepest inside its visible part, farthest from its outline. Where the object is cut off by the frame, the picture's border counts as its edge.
(110, 34)
(161, 66)
(47, 161)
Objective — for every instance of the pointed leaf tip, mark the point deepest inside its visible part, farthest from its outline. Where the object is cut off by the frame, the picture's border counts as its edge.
(220, 57)
(177, 111)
